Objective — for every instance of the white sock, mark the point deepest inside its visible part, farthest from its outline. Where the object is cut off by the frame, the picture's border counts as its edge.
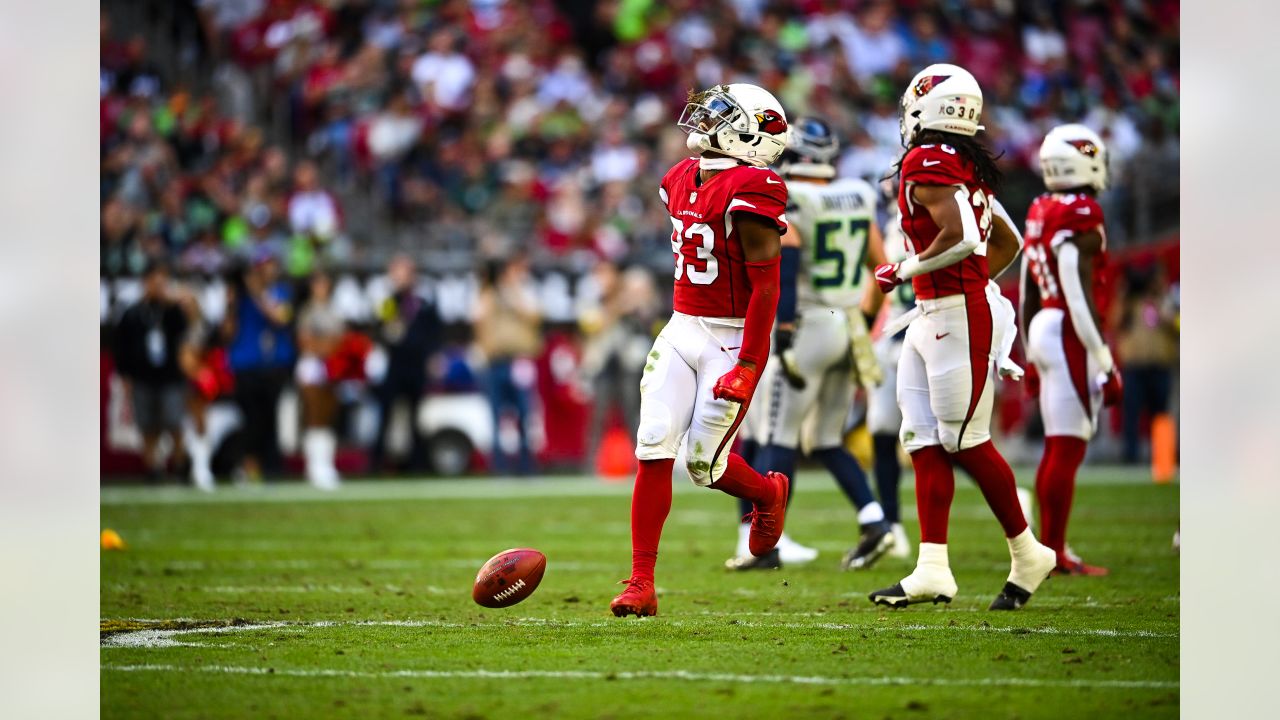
(870, 513)
(1022, 545)
(744, 540)
(200, 453)
(319, 445)
(933, 554)
(932, 574)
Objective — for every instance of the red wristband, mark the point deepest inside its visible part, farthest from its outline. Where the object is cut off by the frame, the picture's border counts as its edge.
(761, 310)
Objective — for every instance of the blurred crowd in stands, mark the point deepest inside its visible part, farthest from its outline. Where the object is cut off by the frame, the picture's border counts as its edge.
(461, 194)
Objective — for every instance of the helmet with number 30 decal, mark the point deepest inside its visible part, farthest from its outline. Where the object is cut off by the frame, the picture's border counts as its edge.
(741, 121)
(941, 97)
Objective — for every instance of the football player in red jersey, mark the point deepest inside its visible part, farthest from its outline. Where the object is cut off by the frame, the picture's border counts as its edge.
(1072, 371)
(727, 216)
(949, 213)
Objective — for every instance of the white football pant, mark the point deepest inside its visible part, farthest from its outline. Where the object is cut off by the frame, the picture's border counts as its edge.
(676, 404)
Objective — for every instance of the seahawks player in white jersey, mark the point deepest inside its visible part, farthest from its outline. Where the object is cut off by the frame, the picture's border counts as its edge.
(884, 419)
(823, 348)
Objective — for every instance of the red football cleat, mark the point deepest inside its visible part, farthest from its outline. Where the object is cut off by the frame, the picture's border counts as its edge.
(1069, 565)
(639, 599)
(767, 520)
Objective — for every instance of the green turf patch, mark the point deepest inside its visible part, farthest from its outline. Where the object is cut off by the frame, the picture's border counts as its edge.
(306, 605)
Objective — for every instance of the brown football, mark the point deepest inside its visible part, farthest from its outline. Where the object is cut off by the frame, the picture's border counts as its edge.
(509, 577)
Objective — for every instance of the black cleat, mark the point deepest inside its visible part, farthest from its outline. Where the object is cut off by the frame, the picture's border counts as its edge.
(876, 540)
(896, 597)
(768, 561)
(1011, 597)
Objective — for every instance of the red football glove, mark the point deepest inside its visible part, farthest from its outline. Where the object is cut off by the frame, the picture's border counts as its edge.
(737, 385)
(887, 277)
(1112, 389)
(1031, 379)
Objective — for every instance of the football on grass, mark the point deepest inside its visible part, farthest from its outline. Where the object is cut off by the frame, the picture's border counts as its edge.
(509, 577)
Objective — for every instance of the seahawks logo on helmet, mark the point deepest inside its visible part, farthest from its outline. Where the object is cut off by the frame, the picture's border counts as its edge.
(926, 84)
(770, 121)
(1086, 147)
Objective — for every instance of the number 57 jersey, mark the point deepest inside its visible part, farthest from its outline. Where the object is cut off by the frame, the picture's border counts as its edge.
(710, 267)
(942, 165)
(834, 221)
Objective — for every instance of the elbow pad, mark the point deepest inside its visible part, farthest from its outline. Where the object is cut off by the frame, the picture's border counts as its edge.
(761, 310)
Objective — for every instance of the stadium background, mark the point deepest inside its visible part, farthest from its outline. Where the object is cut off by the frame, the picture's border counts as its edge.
(474, 134)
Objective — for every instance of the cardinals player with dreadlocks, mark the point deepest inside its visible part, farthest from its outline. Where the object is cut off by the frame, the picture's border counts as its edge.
(1072, 368)
(957, 238)
(727, 213)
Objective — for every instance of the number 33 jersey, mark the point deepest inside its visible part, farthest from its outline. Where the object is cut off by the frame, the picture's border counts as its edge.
(710, 272)
(941, 165)
(833, 222)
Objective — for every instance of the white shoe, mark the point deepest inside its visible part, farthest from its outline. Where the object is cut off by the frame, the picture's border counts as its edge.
(931, 581)
(901, 547)
(1030, 562)
(791, 552)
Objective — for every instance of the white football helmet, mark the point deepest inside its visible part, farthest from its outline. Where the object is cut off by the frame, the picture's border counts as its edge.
(1073, 156)
(941, 97)
(741, 121)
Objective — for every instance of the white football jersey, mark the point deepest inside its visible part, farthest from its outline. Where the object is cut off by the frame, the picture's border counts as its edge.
(834, 221)
(903, 297)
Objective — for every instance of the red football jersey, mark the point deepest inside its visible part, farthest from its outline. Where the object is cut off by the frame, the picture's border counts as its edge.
(1052, 219)
(942, 165)
(711, 273)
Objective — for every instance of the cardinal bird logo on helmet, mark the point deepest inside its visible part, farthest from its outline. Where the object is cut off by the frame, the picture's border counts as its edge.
(770, 121)
(1086, 147)
(926, 84)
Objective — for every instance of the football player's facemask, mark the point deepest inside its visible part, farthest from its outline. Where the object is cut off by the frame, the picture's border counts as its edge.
(740, 121)
(1073, 156)
(811, 148)
(941, 97)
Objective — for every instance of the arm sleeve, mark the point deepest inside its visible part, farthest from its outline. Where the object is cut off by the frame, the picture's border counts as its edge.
(761, 309)
(914, 266)
(1078, 306)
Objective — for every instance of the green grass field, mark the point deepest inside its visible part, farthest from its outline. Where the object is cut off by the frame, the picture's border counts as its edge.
(283, 602)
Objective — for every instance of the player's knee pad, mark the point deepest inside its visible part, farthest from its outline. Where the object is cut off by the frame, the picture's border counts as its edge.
(703, 472)
(916, 437)
(653, 437)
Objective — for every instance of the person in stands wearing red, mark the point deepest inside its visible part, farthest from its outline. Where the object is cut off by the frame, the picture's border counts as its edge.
(727, 212)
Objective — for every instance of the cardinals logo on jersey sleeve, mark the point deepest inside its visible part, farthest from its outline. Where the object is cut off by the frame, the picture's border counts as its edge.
(771, 121)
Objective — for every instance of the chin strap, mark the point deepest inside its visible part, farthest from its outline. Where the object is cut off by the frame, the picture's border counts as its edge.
(716, 163)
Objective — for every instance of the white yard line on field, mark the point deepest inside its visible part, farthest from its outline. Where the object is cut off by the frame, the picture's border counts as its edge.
(164, 638)
(649, 675)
